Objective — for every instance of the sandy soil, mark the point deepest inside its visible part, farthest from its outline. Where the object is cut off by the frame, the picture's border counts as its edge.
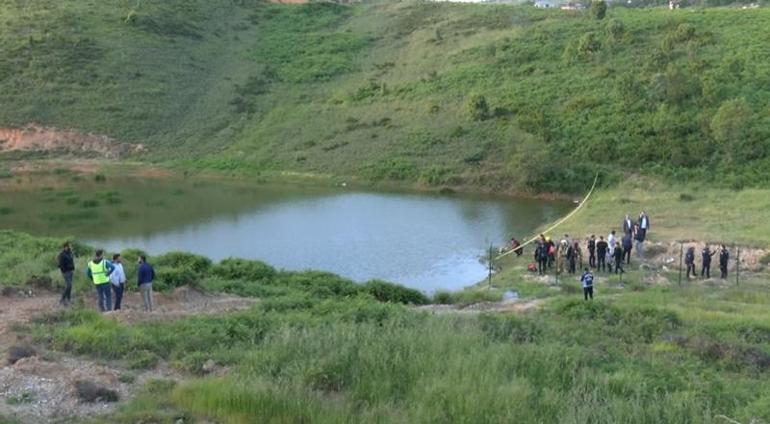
(33, 137)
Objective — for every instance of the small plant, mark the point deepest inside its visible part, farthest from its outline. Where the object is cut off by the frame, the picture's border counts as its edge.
(22, 398)
(100, 178)
(90, 392)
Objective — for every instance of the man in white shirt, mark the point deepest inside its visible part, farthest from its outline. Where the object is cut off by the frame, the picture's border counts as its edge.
(611, 243)
(118, 280)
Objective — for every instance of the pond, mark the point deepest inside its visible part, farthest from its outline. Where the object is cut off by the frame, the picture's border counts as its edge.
(426, 241)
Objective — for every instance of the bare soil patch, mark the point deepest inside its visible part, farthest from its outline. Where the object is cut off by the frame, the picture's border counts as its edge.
(33, 137)
(42, 387)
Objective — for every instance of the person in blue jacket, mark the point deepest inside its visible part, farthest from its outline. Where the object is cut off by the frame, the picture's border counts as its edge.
(144, 275)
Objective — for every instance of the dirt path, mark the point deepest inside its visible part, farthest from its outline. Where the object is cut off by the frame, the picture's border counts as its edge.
(505, 306)
(40, 388)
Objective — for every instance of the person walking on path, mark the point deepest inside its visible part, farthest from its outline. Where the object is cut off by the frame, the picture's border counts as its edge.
(588, 284)
(592, 251)
(706, 255)
(99, 270)
(627, 244)
(144, 275)
(724, 259)
(67, 267)
(689, 260)
(601, 253)
(628, 225)
(618, 255)
(118, 280)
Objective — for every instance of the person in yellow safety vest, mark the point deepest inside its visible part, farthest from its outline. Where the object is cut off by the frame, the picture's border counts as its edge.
(98, 271)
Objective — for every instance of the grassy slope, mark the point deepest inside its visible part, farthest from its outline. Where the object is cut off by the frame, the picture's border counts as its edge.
(318, 348)
(381, 91)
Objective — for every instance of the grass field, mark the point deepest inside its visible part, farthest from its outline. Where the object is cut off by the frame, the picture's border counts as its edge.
(319, 348)
(487, 96)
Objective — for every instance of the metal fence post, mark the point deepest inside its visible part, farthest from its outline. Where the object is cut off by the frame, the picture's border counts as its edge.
(681, 252)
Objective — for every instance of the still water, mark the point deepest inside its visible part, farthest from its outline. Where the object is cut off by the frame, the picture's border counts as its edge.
(428, 242)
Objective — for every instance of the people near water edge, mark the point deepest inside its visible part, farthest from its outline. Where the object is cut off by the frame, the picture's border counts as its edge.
(98, 271)
(587, 279)
(541, 256)
(145, 273)
(66, 262)
(118, 280)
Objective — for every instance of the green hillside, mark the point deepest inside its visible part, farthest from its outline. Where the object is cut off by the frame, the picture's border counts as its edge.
(441, 94)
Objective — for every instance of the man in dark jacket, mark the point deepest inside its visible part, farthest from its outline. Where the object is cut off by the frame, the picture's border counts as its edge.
(689, 260)
(706, 255)
(67, 268)
(592, 251)
(628, 225)
(541, 257)
(617, 254)
(627, 244)
(601, 253)
(724, 259)
(144, 275)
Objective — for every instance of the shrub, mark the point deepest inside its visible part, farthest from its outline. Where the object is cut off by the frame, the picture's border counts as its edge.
(243, 269)
(598, 9)
(88, 391)
(99, 178)
(389, 292)
(443, 298)
(321, 284)
(615, 29)
(478, 108)
(195, 263)
(15, 353)
(509, 328)
(168, 278)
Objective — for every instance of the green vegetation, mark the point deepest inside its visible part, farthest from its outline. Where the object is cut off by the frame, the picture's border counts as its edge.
(489, 96)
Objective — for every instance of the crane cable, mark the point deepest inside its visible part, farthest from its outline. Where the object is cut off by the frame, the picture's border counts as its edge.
(569, 215)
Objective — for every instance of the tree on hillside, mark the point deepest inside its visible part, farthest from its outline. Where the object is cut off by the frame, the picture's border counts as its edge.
(730, 128)
(598, 9)
(478, 108)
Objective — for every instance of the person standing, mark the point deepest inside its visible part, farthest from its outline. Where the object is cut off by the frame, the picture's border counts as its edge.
(144, 275)
(588, 284)
(592, 251)
(99, 270)
(601, 253)
(641, 232)
(618, 255)
(689, 260)
(627, 244)
(118, 279)
(628, 225)
(67, 267)
(578, 254)
(724, 259)
(551, 251)
(571, 259)
(706, 255)
(611, 239)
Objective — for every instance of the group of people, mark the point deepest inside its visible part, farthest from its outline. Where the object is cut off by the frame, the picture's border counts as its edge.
(706, 255)
(108, 277)
(609, 254)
